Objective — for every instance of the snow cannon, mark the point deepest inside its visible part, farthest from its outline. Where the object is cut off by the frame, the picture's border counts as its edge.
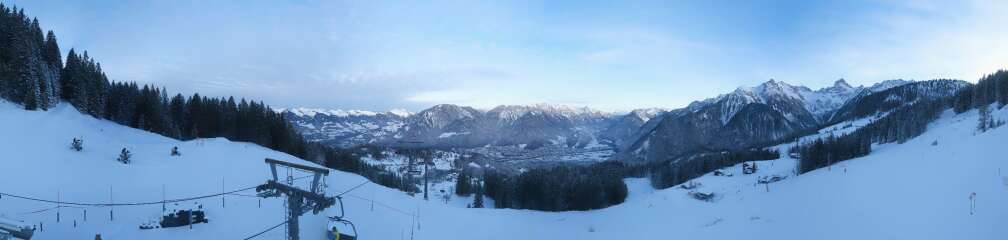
(13, 229)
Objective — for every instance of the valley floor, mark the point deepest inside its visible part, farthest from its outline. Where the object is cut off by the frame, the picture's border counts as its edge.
(914, 190)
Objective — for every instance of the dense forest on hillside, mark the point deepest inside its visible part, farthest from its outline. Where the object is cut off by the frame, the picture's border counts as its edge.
(563, 188)
(33, 74)
(666, 174)
(30, 62)
(894, 98)
(905, 122)
(990, 89)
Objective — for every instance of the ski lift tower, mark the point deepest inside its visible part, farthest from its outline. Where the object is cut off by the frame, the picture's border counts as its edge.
(299, 200)
(413, 152)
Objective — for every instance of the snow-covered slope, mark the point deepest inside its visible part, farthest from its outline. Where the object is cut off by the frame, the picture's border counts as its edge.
(913, 190)
(893, 193)
(38, 162)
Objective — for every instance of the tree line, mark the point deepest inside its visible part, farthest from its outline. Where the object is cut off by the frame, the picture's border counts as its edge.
(149, 108)
(899, 125)
(895, 98)
(33, 74)
(989, 89)
(665, 174)
(824, 152)
(595, 186)
(30, 62)
(466, 185)
(348, 160)
(561, 188)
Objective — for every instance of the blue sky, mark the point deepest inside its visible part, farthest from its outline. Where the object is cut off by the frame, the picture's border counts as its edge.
(611, 55)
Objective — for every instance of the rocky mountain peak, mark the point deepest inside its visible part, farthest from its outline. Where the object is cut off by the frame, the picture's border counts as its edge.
(841, 84)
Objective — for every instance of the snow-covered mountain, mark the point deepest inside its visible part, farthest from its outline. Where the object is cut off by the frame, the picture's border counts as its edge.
(746, 116)
(312, 112)
(770, 110)
(439, 122)
(886, 96)
(449, 125)
(509, 114)
(345, 128)
(625, 127)
(800, 103)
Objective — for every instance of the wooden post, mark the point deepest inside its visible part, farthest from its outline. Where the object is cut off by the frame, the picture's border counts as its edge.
(111, 217)
(222, 192)
(424, 176)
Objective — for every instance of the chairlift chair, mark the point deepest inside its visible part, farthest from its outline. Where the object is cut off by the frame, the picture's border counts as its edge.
(336, 223)
(414, 171)
(338, 229)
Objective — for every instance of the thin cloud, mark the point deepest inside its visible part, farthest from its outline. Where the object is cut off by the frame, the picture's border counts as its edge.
(377, 55)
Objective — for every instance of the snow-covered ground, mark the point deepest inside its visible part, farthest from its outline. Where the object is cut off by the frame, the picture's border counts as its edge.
(913, 190)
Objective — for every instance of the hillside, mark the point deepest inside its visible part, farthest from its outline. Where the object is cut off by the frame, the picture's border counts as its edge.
(893, 193)
(38, 162)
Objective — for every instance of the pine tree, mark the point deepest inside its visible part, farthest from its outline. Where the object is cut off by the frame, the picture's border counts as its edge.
(124, 156)
(69, 84)
(984, 122)
(478, 199)
(463, 184)
(77, 144)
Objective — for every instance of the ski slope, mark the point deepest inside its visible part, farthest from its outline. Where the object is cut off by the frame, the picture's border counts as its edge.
(912, 190)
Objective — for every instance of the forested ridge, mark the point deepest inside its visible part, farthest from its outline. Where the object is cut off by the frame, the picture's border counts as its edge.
(34, 75)
(906, 121)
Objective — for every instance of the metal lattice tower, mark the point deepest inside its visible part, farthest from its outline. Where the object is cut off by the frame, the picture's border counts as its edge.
(299, 200)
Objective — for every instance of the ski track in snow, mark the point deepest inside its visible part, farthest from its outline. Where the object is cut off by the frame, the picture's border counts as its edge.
(901, 191)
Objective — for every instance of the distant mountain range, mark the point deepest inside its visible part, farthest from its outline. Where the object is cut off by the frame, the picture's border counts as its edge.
(771, 111)
(345, 128)
(745, 117)
(452, 126)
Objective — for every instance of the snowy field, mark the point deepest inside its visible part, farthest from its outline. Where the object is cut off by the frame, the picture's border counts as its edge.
(913, 190)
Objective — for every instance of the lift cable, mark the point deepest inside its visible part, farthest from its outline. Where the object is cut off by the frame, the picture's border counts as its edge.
(265, 231)
(232, 192)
